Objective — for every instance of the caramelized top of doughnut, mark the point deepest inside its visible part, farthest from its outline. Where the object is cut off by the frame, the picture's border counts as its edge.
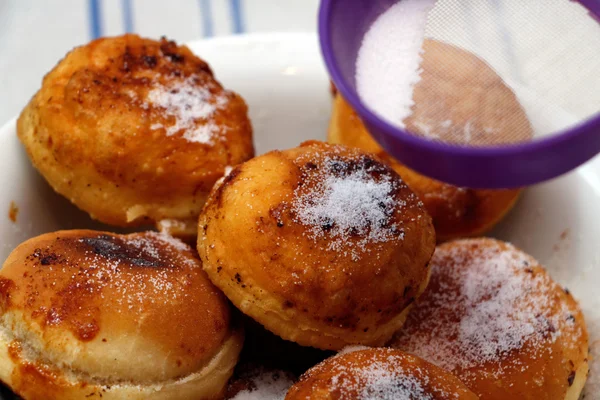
(330, 232)
(95, 301)
(174, 90)
(132, 130)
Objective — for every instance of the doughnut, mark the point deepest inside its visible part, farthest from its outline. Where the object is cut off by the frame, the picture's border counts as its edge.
(378, 373)
(90, 315)
(135, 131)
(493, 317)
(447, 103)
(323, 245)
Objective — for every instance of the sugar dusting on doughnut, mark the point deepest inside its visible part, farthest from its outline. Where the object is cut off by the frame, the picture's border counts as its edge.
(383, 374)
(348, 198)
(140, 267)
(490, 300)
(380, 380)
(106, 269)
(187, 103)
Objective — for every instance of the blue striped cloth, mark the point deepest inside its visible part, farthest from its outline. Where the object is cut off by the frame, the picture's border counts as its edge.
(35, 34)
(205, 11)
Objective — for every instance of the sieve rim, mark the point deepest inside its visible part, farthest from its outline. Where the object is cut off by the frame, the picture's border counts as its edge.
(504, 166)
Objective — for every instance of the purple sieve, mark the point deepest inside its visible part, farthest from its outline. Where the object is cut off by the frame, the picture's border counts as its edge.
(342, 25)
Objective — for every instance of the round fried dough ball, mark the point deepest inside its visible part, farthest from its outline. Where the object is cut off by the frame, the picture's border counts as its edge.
(90, 315)
(135, 131)
(323, 245)
(378, 373)
(494, 318)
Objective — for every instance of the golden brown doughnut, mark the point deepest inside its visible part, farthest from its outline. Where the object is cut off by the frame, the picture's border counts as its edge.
(378, 373)
(323, 245)
(445, 94)
(90, 315)
(135, 131)
(493, 317)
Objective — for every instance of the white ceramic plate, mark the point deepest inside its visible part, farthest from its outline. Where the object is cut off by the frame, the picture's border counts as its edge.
(283, 79)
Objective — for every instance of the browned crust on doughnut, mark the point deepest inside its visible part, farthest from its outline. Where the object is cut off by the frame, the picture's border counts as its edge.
(271, 268)
(92, 133)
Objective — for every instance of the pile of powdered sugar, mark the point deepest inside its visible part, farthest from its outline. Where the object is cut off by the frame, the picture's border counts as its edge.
(389, 59)
(488, 301)
(351, 209)
(191, 106)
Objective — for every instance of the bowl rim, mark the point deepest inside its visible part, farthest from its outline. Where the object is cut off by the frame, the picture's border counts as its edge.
(540, 149)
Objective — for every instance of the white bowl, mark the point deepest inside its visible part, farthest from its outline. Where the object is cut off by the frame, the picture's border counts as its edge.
(283, 79)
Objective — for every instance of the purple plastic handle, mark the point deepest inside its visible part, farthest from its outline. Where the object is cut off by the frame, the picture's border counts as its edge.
(342, 25)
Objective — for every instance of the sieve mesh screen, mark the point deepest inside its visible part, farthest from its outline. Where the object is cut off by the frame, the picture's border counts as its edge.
(492, 70)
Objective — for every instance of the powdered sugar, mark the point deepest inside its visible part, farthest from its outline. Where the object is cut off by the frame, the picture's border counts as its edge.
(145, 248)
(378, 374)
(386, 381)
(499, 316)
(191, 106)
(168, 226)
(483, 303)
(351, 349)
(389, 59)
(158, 256)
(169, 240)
(450, 132)
(352, 204)
(265, 385)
